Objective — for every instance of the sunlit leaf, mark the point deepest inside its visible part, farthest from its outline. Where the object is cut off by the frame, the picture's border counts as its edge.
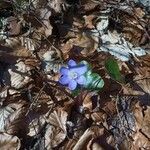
(56, 130)
(9, 142)
(5, 112)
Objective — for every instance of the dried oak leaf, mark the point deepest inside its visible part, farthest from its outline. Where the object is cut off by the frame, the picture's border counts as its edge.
(56, 130)
(9, 142)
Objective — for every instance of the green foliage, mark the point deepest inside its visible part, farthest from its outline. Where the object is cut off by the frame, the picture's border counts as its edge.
(113, 69)
(93, 81)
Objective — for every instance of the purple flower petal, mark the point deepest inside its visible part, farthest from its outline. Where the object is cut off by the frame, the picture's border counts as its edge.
(72, 85)
(71, 63)
(81, 80)
(64, 71)
(81, 69)
(64, 80)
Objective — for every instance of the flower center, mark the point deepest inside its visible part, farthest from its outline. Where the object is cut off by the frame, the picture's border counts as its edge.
(73, 75)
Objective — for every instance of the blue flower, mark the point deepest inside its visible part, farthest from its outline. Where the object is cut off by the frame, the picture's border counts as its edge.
(73, 75)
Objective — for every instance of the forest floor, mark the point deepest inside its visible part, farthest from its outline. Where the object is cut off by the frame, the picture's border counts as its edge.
(104, 107)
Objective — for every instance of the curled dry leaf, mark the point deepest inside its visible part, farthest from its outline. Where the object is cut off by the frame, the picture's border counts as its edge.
(56, 130)
(17, 76)
(9, 142)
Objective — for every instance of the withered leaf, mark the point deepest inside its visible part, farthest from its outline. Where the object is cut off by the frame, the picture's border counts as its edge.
(5, 112)
(9, 142)
(16, 121)
(56, 131)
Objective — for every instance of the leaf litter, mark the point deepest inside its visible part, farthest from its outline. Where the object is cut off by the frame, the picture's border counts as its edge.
(38, 38)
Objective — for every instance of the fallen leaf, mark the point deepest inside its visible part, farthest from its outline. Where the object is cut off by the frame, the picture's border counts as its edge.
(56, 131)
(36, 125)
(13, 26)
(9, 142)
(119, 47)
(17, 76)
(5, 112)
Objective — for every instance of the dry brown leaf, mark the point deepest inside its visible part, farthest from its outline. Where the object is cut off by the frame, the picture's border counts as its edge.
(52, 62)
(139, 12)
(57, 5)
(88, 5)
(7, 92)
(44, 17)
(91, 133)
(140, 142)
(84, 139)
(87, 100)
(56, 130)
(11, 54)
(14, 27)
(89, 21)
(85, 41)
(143, 83)
(9, 142)
(36, 125)
(130, 91)
(17, 76)
(98, 117)
(16, 121)
(5, 112)
(94, 146)
(142, 134)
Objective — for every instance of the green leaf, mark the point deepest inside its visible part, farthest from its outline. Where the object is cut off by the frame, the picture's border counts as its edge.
(93, 81)
(113, 69)
(86, 63)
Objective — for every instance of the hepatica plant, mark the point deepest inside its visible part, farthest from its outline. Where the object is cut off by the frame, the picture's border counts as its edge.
(76, 76)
